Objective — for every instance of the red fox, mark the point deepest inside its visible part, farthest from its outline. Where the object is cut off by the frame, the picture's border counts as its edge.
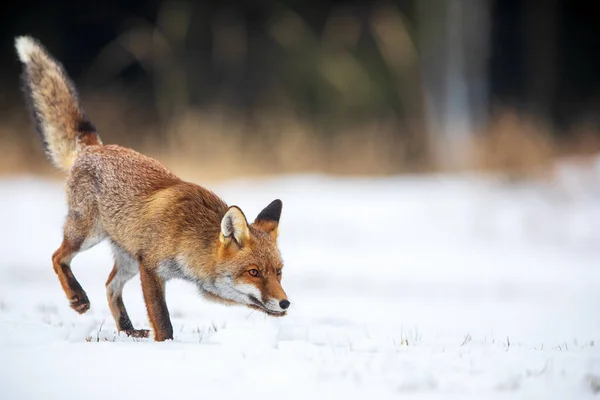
(156, 223)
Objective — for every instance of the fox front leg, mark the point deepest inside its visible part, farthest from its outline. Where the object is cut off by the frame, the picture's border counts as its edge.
(153, 287)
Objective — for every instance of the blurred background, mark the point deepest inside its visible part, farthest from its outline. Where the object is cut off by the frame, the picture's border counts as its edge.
(227, 88)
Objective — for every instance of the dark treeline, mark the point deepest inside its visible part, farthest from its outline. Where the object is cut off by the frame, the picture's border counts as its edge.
(329, 61)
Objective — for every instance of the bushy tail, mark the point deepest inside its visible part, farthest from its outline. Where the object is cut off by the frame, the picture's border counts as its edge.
(54, 103)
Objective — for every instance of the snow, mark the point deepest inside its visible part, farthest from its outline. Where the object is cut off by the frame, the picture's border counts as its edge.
(429, 287)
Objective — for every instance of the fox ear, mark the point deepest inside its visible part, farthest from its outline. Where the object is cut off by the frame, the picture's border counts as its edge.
(268, 219)
(234, 227)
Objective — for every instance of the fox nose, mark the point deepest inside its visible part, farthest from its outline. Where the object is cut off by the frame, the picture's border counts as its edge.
(284, 304)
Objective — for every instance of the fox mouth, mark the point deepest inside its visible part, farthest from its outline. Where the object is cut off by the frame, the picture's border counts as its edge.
(258, 305)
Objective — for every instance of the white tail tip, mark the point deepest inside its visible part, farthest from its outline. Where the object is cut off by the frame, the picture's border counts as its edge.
(26, 46)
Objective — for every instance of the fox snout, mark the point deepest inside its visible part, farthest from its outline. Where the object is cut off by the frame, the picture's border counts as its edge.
(264, 294)
(271, 307)
(278, 305)
(272, 304)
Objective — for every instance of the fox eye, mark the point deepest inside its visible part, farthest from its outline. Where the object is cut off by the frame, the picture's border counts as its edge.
(278, 271)
(253, 272)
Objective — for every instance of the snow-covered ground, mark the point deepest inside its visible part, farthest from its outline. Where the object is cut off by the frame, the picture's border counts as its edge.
(435, 287)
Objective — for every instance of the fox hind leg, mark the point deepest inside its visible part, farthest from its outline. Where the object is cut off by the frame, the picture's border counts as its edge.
(125, 268)
(79, 234)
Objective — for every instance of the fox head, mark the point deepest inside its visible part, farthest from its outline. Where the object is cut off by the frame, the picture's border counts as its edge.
(249, 264)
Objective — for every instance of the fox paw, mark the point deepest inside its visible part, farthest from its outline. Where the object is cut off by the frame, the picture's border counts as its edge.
(137, 333)
(80, 303)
